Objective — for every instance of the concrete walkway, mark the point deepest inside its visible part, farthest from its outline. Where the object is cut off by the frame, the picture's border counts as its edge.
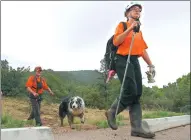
(123, 133)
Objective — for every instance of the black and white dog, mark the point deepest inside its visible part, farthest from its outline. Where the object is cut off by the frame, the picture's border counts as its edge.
(72, 107)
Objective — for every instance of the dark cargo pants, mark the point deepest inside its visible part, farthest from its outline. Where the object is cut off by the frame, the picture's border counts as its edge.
(36, 104)
(132, 89)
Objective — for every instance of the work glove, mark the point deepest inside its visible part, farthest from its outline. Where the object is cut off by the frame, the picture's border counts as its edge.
(151, 74)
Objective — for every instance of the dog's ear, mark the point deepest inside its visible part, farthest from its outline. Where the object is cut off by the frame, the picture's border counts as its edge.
(71, 99)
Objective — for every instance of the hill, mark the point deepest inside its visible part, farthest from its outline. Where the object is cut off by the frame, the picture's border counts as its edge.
(81, 76)
(90, 86)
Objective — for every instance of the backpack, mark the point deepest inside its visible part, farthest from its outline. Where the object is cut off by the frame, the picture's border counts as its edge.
(111, 50)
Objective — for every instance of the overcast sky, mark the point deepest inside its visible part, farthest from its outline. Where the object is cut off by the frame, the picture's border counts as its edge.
(72, 35)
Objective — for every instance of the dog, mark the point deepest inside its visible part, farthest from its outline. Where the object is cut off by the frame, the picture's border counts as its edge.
(72, 107)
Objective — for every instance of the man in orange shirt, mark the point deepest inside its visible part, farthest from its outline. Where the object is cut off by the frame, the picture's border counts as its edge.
(132, 89)
(35, 86)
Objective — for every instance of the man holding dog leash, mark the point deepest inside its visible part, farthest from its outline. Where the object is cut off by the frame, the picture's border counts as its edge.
(35, 86)
(131, 46)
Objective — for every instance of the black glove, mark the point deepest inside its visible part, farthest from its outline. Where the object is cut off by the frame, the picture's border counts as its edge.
(136, 28)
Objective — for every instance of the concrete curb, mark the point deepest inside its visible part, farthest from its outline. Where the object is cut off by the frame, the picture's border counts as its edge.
(158, 124)
(28, 133)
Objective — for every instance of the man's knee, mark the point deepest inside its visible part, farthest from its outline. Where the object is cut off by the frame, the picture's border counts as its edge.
(137, 100)
(128, 99)
(36, 110)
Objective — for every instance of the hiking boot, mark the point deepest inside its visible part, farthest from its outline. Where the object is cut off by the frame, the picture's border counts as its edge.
(137, 129)
(39, 124)
(30, 118)
(110, 114)
(142, 133)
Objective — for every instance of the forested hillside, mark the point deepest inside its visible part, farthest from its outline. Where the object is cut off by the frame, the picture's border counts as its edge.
(91, 86)
(83, 76)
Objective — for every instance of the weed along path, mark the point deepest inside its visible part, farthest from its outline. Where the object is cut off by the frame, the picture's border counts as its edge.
(16, 111)
(123, 133)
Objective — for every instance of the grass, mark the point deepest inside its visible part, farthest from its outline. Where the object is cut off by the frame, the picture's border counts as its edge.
(9, 122)
(160, 114)
(104, 124)
(19, 109)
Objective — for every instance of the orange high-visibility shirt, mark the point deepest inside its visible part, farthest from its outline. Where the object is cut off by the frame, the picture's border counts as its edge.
(31, 82)
(139, 44)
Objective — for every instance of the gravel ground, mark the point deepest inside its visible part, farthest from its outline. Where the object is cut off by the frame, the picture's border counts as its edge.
(123, 133)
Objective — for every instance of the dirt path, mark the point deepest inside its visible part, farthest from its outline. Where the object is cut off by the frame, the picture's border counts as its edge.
(123, 133)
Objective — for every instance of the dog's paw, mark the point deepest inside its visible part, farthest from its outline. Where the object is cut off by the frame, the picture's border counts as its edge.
(83, 120)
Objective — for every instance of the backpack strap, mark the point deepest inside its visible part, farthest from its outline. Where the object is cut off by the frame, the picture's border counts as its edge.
(124, 26)
(35, 80)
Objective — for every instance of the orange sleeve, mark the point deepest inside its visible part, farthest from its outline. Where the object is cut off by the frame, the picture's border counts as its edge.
(45, 86)
(118, 31)
(29, 82)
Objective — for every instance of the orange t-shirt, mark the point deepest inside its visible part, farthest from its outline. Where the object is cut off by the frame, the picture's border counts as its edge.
(31, 82)
(139, 44)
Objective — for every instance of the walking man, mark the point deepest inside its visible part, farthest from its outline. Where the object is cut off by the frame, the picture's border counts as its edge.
(132, 89)
(35, 86)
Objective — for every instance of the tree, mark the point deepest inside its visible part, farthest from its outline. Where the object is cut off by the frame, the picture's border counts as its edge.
(95, 92)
